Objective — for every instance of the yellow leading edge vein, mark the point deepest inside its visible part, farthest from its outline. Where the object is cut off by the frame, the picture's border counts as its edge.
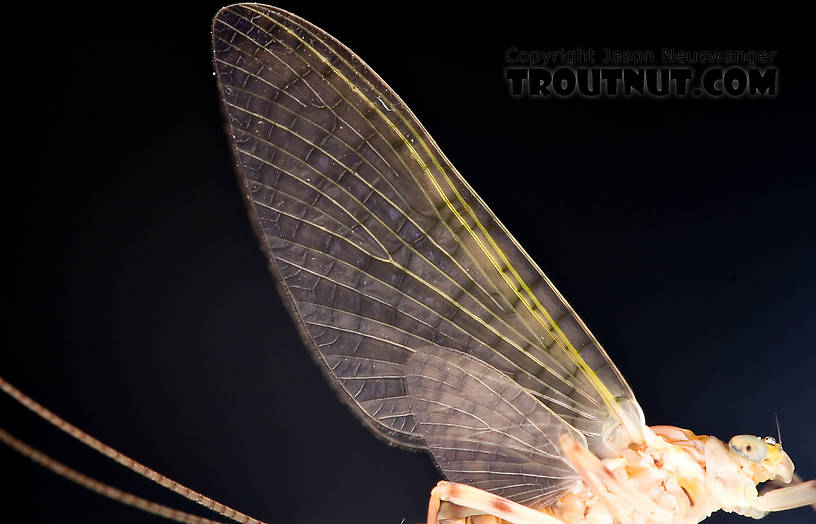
(561, 338)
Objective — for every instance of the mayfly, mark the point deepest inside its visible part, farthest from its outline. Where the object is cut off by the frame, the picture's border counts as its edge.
(430, 320)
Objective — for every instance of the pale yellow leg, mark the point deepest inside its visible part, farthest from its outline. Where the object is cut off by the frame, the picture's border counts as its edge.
(453, 503)
(780, 499)
(619, 499)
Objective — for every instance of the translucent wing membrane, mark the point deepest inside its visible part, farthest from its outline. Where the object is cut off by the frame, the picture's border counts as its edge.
(379, 245)
(486, 431)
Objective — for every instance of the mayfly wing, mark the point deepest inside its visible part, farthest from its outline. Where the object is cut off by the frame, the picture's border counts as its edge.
(484, 430)
(378, 244)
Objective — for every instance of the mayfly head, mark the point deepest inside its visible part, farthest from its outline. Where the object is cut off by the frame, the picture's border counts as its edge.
(764, 457)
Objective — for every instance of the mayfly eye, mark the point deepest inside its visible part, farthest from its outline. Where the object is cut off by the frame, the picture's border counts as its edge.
(749, 447)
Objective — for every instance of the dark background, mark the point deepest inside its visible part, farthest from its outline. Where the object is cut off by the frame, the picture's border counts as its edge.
(140, 309)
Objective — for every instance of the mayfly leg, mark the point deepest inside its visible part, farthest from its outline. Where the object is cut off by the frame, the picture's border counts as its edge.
(790, 497)
(457, 501)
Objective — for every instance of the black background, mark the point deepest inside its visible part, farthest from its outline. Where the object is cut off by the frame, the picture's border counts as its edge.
(140, 308)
